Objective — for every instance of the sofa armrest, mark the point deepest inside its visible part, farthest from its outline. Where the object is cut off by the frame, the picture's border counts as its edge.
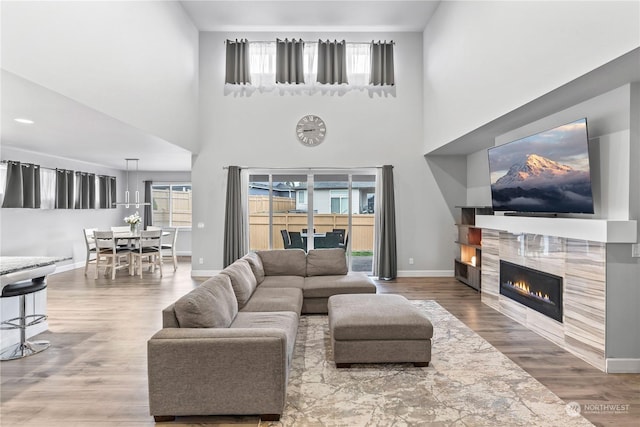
(169, 319)
(217, 371)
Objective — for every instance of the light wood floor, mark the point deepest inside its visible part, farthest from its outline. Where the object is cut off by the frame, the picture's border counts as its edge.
(94, 374)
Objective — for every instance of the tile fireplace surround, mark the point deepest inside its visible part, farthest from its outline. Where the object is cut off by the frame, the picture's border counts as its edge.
(588, 282)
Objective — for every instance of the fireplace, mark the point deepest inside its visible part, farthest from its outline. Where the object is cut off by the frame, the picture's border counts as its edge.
(537, 290)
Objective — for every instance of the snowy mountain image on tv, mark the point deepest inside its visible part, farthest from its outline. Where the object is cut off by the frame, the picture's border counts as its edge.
(546, 172)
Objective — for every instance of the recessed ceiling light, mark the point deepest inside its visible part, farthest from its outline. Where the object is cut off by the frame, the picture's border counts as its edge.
(24, 121)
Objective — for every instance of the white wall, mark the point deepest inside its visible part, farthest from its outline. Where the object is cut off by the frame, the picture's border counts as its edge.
(136, 61)
(484, 59)
(55, 232)
(258, 131)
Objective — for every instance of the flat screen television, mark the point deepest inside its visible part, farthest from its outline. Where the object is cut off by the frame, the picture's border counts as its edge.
(543, 173)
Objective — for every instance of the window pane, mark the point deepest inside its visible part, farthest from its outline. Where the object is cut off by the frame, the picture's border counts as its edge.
(160, 205)
(362, 227)
(181, 205)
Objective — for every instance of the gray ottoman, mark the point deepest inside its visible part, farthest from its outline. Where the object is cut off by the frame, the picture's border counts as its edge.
(378, 328)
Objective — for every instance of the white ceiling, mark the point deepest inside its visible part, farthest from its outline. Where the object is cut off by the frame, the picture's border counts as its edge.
(66, 128)
(310, 15)
(69, 129)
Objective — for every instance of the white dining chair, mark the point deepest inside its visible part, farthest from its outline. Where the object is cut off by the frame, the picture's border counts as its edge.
(149, 245)
(90, 244)
(107, 251)
(168, 243)
(169, 246)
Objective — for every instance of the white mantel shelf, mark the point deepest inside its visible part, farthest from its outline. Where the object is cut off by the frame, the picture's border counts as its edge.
(596, 230)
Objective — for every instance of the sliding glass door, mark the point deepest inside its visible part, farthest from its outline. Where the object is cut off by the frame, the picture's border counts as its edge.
(314, 209)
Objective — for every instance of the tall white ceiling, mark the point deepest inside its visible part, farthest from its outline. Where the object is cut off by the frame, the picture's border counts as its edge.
(310, 15)
(67, 128)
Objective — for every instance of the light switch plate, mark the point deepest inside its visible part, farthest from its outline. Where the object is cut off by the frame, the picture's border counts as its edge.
(635, 250)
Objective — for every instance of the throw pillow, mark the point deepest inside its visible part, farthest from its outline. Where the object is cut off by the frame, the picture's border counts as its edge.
(325, 262)
(211, 305)
(242, 280)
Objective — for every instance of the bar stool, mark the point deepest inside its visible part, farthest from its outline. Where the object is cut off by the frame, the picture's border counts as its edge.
(24, 348)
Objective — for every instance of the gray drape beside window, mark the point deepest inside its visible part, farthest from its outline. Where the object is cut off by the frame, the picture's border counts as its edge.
(64, 189)
(332, 62)
(387, 261)
(112, 193)
(237, 62)
(85, 191)
(107, 191)
(233, 218)
(289, 61)
(382, 64)
(23, 186)
(148, 219)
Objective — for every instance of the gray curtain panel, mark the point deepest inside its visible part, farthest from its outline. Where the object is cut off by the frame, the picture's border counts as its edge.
(147, 208)
(289, 61)
(82, 191)
(237, 62)
(387, 253)
(112, 193)
(107, 191)
(332, 62)
(91, 184)
(23, 186)
(233, 218)
(64, 189)
(382, 64)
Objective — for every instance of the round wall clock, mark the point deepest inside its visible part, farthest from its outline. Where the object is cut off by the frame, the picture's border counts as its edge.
(311, 130)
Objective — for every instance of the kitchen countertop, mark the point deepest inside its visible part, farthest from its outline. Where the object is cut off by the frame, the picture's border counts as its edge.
(12, 264)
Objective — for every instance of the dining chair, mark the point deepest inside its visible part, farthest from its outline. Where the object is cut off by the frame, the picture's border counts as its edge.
(90, 244)
(342, 231)
(168, 247)
(107, 250)
(306, 230)
(149, 244)
(330, 240)
(286, 239)
(121, 229)
(297, 242)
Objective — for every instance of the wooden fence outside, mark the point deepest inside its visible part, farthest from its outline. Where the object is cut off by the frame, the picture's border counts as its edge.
(260, 204)
(182, 205)
(361, 237)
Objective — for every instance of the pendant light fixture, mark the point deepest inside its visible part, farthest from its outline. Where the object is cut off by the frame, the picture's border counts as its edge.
(127, 194)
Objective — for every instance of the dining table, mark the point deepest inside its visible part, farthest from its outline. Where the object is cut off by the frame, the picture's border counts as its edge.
(131, 238)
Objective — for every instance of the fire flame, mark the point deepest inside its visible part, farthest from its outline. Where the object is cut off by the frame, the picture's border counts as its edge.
(523, 287)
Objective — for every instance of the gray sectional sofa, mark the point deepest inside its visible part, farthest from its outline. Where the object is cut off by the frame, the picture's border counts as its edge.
(226, 347)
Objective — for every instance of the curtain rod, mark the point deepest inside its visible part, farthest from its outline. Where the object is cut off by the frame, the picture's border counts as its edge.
(273, 41)
(306, 168)
(50, 169)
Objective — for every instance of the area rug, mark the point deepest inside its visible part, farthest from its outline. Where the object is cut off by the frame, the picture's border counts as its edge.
(468, 383)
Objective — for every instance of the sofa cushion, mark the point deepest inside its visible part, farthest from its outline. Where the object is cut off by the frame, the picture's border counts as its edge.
(256, 265)
(283, 282)
(275, 299)
(323, 262)
(284, 262)
(286, 321)
(242, 280)
(211, 305)
(326, 286)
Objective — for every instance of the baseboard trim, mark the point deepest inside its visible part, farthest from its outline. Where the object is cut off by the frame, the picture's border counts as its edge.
(425, 273)
(68, 267)
(204, 273)
(623, 366)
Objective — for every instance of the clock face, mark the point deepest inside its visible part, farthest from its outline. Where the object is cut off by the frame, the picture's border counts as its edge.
(311, 130)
